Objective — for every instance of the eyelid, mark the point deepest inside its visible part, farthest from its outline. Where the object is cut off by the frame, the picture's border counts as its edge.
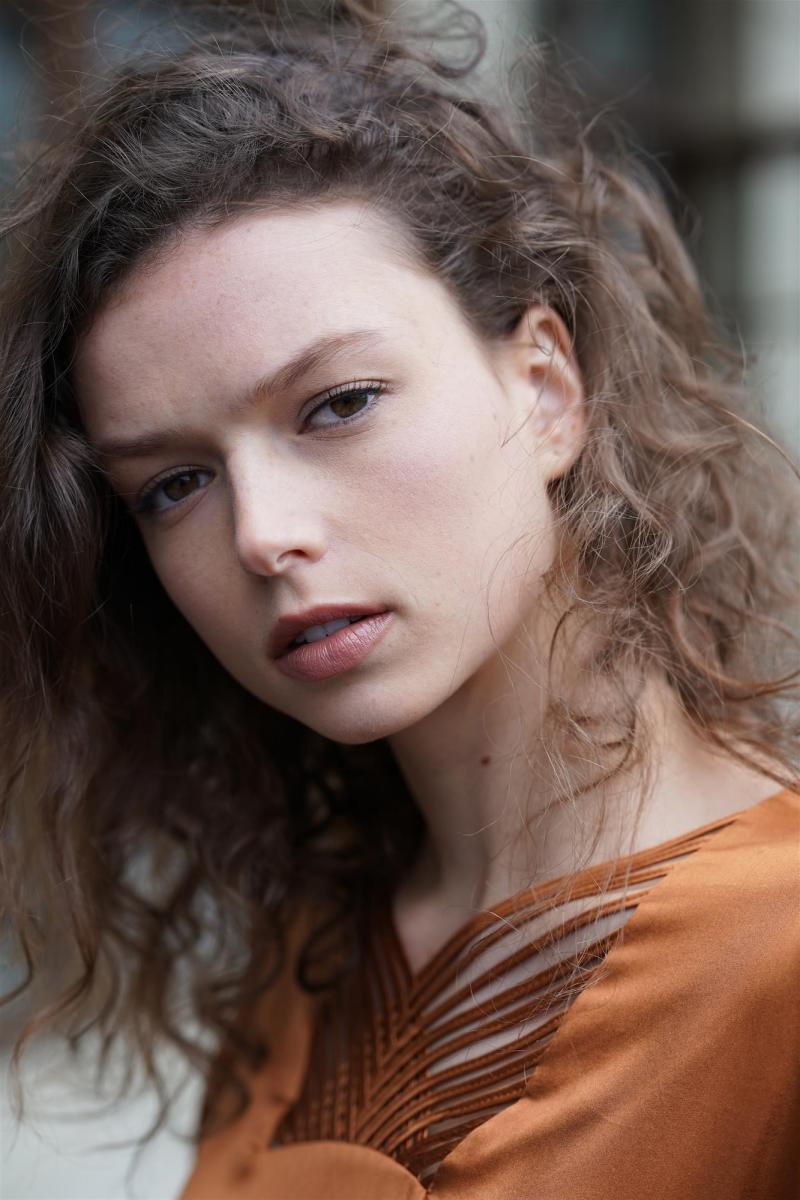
(141, 505)
(377, 386)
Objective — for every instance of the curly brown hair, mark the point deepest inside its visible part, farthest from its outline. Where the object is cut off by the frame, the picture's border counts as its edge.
(163, 818)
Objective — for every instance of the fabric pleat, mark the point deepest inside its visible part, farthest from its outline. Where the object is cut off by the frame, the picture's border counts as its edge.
(632, 1032)
(408, 1064)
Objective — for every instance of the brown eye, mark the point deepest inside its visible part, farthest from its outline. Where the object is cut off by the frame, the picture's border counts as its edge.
(169, 492)
(180, 486)
(349, 404)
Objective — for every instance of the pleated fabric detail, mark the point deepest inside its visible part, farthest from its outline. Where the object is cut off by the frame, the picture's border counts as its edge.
(409, 1063)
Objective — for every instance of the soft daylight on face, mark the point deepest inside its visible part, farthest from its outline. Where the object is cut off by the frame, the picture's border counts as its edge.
(431, 503)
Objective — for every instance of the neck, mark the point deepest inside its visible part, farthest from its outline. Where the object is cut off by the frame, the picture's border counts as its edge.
(482, 779)
(465, 767)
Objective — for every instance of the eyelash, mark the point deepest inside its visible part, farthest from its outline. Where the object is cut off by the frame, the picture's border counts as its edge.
(145, 504)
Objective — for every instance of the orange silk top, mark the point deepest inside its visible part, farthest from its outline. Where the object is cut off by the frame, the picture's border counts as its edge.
(671, 1073)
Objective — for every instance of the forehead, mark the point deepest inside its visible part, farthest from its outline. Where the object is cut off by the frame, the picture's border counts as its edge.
(259, 285)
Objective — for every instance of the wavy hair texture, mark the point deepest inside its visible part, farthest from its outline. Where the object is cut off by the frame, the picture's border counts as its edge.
(160, 817)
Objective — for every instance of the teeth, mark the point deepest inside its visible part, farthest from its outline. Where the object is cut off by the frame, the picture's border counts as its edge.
(315, 633)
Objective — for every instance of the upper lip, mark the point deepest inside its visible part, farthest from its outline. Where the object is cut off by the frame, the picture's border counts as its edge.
(287, 628)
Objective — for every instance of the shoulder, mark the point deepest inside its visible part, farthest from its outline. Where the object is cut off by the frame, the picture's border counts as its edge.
(722, 927)
(280, 1020)
(714, 944)
(690, 1036)
(744, 885)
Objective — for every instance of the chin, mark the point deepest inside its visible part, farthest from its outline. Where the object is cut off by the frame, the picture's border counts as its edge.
(361, 722)
(353, 732)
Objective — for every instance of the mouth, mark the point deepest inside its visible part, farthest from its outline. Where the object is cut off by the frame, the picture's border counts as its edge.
(315, 633)
(316, 625)
(333, 647)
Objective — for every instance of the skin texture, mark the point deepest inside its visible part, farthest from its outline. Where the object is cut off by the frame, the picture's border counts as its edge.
(433, 504)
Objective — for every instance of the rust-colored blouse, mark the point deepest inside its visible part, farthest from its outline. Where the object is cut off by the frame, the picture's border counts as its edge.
(645, 1044)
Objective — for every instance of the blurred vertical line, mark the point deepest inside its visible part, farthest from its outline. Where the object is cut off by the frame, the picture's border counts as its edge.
(768, 248)
(56, 42)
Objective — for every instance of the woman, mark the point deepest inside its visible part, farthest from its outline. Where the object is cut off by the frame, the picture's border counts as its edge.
(392, 615)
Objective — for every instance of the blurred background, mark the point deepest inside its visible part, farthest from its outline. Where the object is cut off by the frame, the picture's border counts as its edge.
(710, 89)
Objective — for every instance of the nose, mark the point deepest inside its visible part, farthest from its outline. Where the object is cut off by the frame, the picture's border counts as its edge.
(276, 526)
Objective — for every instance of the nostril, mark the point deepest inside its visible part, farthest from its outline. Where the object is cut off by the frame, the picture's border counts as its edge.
(272, 547)
(263, 557)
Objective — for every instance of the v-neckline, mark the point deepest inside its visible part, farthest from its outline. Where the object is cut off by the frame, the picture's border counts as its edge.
(661, 851)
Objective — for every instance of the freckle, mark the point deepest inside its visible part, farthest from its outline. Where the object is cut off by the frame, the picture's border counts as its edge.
(240, 1171)
(486, 760)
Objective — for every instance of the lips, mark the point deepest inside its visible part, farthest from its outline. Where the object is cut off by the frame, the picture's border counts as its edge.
(287, 628)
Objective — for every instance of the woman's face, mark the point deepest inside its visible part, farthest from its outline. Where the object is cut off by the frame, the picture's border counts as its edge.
(299, 416)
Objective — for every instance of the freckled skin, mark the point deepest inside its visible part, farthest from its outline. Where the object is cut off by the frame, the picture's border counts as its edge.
(426, 506)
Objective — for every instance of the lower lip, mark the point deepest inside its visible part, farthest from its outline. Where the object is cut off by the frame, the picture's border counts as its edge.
(332, 655)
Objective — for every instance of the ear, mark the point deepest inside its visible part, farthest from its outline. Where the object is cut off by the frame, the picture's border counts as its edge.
(542, 378)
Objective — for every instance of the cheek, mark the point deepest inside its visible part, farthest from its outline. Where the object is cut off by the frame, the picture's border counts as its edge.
(200, 578)
(456, 502)
(434, 466)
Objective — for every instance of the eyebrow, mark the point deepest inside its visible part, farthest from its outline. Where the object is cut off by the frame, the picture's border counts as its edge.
(325, 348)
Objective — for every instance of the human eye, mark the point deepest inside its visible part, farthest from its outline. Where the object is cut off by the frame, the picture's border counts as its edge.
(348, 402)
(168, 491)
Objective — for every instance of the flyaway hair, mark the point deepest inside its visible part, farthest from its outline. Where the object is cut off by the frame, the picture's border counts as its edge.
(158, 820)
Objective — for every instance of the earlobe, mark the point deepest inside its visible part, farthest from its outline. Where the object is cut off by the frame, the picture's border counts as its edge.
(550, 388)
